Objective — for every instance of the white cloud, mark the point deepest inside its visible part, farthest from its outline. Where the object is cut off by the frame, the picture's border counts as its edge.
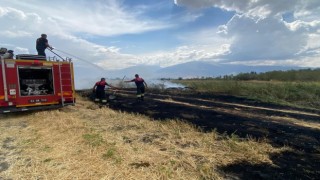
(313, 41)
(303, 26)
(257, 32)
(190, 17)
(15, 34)
(184, 54)
(259, 8)
(21, 50)
(104, 18)
(264, 39)
(307, 10)
(20, 28)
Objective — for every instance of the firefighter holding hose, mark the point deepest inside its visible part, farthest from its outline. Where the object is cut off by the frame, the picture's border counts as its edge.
(98, 88)
(141, 85)
(42, 44)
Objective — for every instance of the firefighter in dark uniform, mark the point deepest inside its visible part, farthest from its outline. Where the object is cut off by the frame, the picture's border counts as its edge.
(42, 44)
(8, 55)
(98, 88)
(141, 85)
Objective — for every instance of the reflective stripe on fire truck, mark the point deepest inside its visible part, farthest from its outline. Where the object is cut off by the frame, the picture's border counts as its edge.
(47, 64)
(2, 97)
(65, 94)
(37, 104)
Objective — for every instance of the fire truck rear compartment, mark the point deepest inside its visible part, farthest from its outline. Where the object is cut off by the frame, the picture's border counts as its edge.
(35, 81)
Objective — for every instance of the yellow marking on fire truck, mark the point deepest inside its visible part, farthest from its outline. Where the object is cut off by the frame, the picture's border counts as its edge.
(47, 64)
(37, 104)
(65, 94)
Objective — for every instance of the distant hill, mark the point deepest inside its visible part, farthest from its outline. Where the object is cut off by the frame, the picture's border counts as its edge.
(199, 69)
(192, 69)
(185, 70)
(145, 70)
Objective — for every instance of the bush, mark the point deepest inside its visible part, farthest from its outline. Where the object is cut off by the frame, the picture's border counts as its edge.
(295, 93)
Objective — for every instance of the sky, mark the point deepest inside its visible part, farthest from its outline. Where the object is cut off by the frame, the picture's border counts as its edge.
(116, 34)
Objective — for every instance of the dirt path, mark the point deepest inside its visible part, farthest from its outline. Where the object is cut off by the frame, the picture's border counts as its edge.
(296, 128)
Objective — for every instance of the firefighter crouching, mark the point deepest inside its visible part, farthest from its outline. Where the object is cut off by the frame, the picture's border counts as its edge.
(98, 88)
(141, 84)
(6, 54)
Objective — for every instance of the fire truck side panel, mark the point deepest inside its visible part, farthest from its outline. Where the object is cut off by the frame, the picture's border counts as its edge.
(11, 83)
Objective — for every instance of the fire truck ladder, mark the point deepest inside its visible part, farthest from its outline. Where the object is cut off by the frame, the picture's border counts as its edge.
(66, 82)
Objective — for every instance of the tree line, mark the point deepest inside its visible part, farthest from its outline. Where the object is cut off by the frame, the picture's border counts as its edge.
(290, 75)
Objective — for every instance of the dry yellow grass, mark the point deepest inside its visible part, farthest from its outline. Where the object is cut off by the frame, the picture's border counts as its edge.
(87, 142)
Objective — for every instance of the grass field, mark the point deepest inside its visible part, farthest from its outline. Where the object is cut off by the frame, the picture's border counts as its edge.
(161, 138)
(88, 142)
(302, 94)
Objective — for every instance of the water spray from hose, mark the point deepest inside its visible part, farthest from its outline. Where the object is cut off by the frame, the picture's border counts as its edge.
(56, 54)
(81, 59)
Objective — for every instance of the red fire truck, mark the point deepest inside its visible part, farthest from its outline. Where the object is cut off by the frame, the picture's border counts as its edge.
(30, 82)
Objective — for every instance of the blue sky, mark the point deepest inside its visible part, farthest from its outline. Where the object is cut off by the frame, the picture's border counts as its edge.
(116, 34)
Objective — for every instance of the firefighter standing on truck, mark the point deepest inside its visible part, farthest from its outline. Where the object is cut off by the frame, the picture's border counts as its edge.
(42, 44)
(141, 84)
(98, 88)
